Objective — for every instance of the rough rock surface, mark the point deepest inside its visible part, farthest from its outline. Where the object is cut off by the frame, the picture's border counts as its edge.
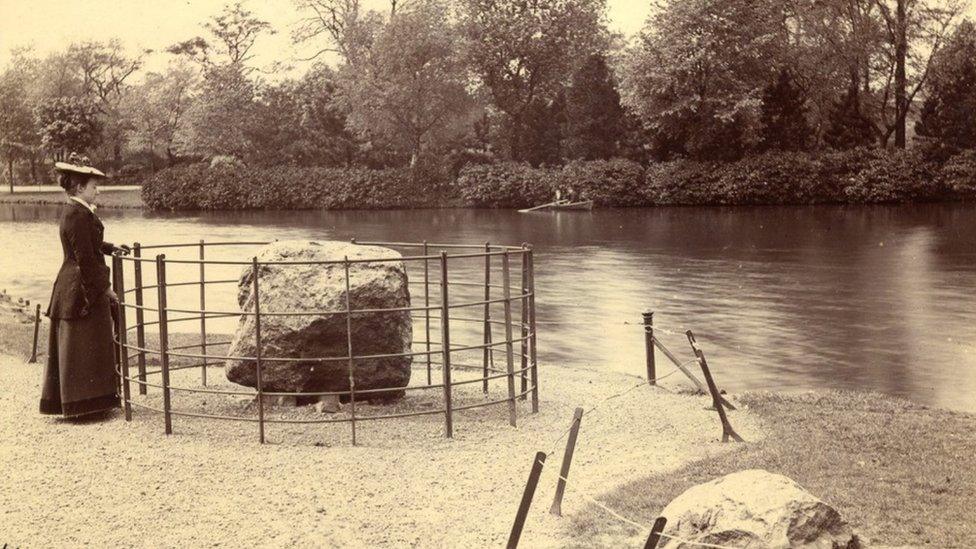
(323, 288)
(756, 508)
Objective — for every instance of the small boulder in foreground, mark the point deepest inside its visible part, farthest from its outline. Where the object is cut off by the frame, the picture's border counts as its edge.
(756, 509)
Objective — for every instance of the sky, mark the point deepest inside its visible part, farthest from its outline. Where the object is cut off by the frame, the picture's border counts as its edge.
(50, 25)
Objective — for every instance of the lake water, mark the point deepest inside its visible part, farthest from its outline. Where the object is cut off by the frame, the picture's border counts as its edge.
(876, 298)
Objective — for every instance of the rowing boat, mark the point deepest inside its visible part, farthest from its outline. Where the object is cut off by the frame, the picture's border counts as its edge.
(561, 205)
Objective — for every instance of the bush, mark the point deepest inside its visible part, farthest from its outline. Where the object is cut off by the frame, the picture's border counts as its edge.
(892, 176)
(958, 175)
(858, 175)
(615, 182)
(854, 176)
(227, 187)
(505, 185)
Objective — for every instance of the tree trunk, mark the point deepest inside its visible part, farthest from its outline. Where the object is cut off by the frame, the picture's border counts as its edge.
(10, 170)
(33, 169)
(901, 100)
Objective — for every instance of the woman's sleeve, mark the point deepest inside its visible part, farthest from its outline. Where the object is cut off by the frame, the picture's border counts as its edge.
(94, 275)
(107, 248)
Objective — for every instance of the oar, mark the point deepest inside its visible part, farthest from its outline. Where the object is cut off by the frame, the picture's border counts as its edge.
(550, 204)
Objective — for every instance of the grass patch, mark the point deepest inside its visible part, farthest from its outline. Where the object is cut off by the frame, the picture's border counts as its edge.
(107, 199)
(900, 473)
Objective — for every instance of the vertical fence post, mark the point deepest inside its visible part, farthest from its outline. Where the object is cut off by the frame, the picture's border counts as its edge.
(487, 354)
(557, 502)
(649, 347)
(655, 536)
(524, 330)
(123, 340)
(523, 511)
(352, 377)
(257, 347)
(446, 345)
(140, 316)
(727, 430)
(37, 329)
(509, 352)
(427, 309)
(203, 315)
(116, 335)
(164, 340)
(534, 372)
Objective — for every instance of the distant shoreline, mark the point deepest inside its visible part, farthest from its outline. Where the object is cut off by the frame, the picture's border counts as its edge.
(126, 198)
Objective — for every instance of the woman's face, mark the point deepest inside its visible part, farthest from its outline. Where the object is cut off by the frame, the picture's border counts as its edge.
(89, 190)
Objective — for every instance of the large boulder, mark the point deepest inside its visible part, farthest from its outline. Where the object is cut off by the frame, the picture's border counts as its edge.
(291, 288)
(755, 508)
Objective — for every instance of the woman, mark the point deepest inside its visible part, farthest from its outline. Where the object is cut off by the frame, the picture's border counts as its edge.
(80, 374)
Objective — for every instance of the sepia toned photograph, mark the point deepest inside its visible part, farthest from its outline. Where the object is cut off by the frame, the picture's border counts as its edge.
(488, 273)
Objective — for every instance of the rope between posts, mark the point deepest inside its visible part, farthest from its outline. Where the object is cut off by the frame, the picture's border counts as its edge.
(643, 527)
(592, 409)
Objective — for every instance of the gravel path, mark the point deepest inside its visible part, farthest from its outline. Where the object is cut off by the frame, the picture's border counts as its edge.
(107, 482)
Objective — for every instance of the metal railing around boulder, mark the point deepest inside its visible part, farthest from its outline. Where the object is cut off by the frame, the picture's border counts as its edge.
(454, 278)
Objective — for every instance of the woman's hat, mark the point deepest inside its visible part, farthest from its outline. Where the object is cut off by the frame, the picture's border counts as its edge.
(78, 164)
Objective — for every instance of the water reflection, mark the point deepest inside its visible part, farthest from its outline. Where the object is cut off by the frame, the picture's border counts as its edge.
(878, 298)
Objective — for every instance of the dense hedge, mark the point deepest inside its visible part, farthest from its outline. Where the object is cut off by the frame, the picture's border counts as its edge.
(855, 176)
(227, 187)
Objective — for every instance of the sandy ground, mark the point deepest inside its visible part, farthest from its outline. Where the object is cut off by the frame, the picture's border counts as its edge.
(108, 482)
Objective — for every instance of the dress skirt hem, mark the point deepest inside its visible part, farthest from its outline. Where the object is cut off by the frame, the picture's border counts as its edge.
(80, 376)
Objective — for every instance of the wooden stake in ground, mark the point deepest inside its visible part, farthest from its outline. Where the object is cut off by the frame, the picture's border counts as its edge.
(655, 536)
(557, 502)
(37, 328)
(523, 510)
(727, 430)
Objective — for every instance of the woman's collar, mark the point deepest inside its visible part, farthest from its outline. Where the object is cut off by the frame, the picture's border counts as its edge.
(81, 201)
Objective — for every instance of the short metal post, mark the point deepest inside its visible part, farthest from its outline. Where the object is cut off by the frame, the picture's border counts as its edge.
(534, 372)
(164, 340)
(557, 502)
(140, 317)
(352, 378)
(727, 430)
(487, 353)
(655, 536)
(37, 329)
(523, 511)
(446, 344)
(257, 347)
(203, 315)
(123, 342)
(509, 351)
(649, 347)
(427, 310)
(524, 330)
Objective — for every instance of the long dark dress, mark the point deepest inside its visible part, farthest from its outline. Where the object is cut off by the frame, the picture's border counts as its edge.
(80, 374)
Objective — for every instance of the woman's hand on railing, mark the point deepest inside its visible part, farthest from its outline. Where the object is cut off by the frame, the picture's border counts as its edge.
(124, 249)
(112, 297)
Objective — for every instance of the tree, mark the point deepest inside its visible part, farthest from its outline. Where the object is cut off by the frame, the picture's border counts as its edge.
(18, 136)
(697, 74)
(221, 119)
(915, 31)
(522, 50)
(233, 34)
(848, 127)
(594, 116)
(408, 89)
(68, 124)
(948, 111)
(783, 115)
(544, 121)
(156, 108)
